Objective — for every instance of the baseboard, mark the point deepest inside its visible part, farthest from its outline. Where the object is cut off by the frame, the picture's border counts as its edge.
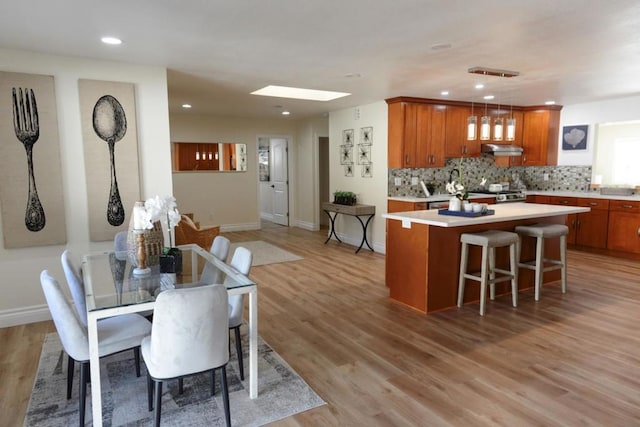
(266, 216)
(240, 227)
(377, 247)
(307, 225)
(24, 315)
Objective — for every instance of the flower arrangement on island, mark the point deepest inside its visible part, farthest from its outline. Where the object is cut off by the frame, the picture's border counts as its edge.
(456, 188)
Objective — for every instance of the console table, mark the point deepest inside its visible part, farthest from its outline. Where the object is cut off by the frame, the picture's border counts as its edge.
(357, 211)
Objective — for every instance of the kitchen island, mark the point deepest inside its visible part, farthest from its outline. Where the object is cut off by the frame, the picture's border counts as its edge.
(423, 252)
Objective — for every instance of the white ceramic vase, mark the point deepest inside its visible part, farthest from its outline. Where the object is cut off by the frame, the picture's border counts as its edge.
(455, 204)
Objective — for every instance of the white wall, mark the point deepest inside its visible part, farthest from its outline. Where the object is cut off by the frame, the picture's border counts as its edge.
(22, 299)
(307, 185)
(370, 191)
(228, 199)
(592, 113)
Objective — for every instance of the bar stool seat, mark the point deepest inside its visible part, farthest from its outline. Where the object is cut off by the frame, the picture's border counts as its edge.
(541, 264)
(489, 241)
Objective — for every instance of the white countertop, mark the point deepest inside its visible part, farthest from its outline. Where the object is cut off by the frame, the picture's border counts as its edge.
(586, 194)
(503, 212)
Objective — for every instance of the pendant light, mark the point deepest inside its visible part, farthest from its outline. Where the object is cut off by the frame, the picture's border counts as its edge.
(485, 125)
(498, 124)
(472, 126)
(511, 123)
(197, 152)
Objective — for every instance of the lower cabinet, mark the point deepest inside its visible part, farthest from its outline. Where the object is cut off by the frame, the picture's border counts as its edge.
(405, 206)
(589, 228)
(624, 226)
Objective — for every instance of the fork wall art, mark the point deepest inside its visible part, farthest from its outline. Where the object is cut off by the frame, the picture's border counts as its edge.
(109, 135)
(31, 193)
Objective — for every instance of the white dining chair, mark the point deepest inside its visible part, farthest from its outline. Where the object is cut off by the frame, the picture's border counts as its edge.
(76, 287)
(113, 337)
(189, 336)
(219, 249)
(241, 261)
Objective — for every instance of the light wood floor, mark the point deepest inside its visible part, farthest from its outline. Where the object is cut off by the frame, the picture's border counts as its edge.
(567, 360)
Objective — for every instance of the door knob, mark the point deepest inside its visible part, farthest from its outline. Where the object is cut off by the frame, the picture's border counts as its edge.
(273, 186)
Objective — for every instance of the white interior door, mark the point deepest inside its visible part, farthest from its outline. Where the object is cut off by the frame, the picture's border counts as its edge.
(280, 181)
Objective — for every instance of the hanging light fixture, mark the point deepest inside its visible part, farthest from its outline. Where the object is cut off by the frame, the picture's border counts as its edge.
(485, 125)
(197, 152)
(485, 120)
(472, 125)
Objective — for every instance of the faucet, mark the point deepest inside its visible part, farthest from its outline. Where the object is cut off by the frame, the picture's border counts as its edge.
(457, 171)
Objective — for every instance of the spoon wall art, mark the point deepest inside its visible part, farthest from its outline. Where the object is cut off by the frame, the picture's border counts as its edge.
(110, 124)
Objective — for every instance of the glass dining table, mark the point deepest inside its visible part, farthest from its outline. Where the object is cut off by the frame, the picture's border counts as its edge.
(112, 289)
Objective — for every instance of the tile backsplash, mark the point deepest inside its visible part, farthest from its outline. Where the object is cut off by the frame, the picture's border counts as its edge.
(559, 178)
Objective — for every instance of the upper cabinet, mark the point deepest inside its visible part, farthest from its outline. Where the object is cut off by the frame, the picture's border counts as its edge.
(416, 134)
(540, 136)
(456, 142)
(423, 132)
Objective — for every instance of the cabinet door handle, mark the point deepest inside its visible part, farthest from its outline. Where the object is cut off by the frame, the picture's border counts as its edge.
(638, 231)
(578, 222)
(627, 206)
(406, 159)
(564, 202)
(593, 204)
(573, 224)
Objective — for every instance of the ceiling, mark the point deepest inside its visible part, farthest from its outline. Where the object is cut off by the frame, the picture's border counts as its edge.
(218, 51)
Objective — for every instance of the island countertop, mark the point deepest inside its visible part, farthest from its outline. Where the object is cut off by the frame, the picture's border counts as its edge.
(503, 212)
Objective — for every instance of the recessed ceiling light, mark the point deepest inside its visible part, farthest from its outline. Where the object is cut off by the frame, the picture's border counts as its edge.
(479, 86)
(299, 93)
(186, 105)
(441, 46)
(444, 93)
(111, 40)
(488, 97)
(549, 102)
(285, 113)
(352, 75)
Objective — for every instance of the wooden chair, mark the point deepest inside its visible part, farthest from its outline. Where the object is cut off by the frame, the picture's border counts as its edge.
(187, 231)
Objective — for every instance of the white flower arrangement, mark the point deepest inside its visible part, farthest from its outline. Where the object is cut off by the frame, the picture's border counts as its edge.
(159, 209)
(457, 188)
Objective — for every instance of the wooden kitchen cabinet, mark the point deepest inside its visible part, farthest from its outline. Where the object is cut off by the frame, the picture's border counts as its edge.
(405, 206)
(456, 142)
(591, 227)
(624, 226)
(572, 219)
(416, 134)
(540, 136)
(588, 228)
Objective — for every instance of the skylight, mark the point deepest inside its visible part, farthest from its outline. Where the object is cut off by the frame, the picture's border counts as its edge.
(299, 93)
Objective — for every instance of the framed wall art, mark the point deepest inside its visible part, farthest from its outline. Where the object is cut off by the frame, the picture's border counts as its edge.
(574, 137)
(31, 193)
(109, 134)
(347, 137)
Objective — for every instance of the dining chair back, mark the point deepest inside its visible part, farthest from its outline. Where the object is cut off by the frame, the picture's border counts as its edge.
(189, 336)
(219, 249)
(241, 261)
(76, 286)
(120, 241)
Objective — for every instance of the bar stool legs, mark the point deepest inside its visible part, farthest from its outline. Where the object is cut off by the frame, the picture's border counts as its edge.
(541, 264)
(489, 240)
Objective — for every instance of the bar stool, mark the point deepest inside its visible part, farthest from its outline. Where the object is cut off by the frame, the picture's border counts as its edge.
(489, 240)
(541, 232)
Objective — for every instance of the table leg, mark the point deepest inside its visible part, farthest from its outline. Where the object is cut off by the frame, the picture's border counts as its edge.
(253, 343)
(364, 233)
(94, 362)
(333, 228)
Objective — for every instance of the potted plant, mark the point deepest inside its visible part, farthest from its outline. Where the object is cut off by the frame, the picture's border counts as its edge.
(344, 198)
(166, 210)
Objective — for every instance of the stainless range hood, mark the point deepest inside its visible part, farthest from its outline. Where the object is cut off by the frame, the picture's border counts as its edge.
(502, 150)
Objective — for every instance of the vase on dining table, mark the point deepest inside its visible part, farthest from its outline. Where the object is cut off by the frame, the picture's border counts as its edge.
(455, 204)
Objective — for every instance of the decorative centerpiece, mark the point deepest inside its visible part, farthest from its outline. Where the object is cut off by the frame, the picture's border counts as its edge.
(166, 210)
(141, 222)
(344, 198)
(457, 189)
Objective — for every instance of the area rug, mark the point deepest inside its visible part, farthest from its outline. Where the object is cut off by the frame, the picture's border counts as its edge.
(281, 393)
(265, 253)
